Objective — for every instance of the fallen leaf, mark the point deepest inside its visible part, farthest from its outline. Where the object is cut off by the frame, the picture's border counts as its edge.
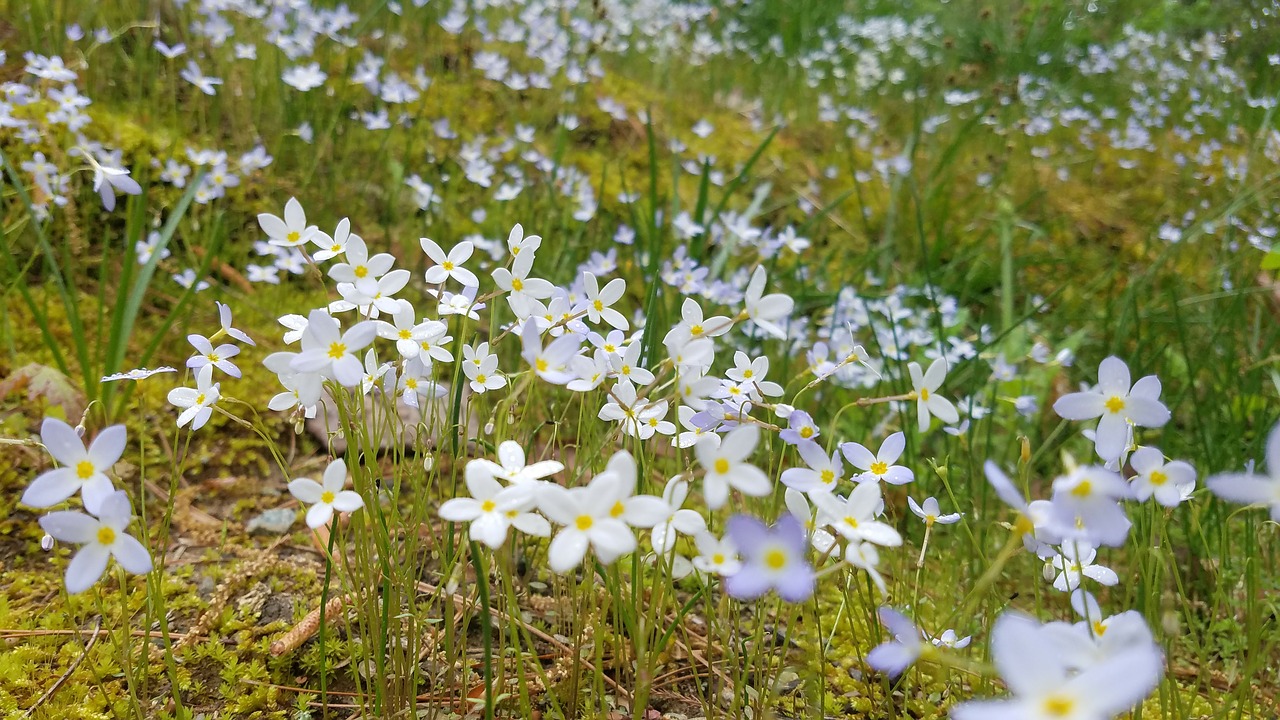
(43, 382)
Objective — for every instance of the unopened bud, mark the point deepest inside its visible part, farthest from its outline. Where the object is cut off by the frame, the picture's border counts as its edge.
(488, 428)
(1026, 450)
(511, 418)
(46, 543)
(429, 462)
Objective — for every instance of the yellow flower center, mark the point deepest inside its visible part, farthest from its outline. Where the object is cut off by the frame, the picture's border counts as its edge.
(775, 559)
(405, 334)
(717, 559)
(517, 284)
(200, 399)
(447, 265)
(1098, 628)
(851, 521)
(584, 522)
(1115, 404)
(1158, 478)
(411, 383)
(335, 248)
(326, 497)
(337, 350)
(924, 394)
(293, 236)
(827, 476)
(541, 365)
(361, 271)
(213, 357)
(106, 536)
(488, 506)
(85, 470)
(806, 432)
(617, 509)
(748, 374)
(721, 466)
(598, 305)
(1083, 490)
(879, 468)
(1058, 706)
(696, 330)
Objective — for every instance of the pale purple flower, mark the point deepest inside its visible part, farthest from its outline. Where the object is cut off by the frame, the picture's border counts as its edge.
(772, 559)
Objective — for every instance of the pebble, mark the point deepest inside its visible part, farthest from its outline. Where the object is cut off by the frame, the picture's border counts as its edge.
(273, 522)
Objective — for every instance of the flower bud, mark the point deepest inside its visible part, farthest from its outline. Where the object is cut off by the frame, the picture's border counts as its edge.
(429, 462)
(46, 543)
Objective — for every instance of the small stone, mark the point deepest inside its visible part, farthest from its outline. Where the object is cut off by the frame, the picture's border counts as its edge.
(273, 522)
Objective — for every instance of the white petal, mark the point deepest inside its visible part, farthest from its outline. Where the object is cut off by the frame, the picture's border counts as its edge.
(86, 567)
(131, 554)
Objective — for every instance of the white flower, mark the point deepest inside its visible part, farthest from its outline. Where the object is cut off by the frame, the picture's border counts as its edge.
(360, 269)
(551, 363)
(207, 354)
(930, 513)
(693, 325)
(766, 310)
(1119, 406)
(1085, 506)
(304, 77)
(1046, 687)
(107, 180)
(512, 468)
(881, 465)
(138, 373)
(726, 467)
(599, 300)
(197, 404)
(82, 470)
(823, 473)
(493, 509)
(1076, 560)
(224, 319)
(681, 521)
(855, 517)
(520, 288)
(628, 368)
(325, 348)
(101, 538)
(450, 265)
(1169, 483)
(588, 517)
(327, 497)
(716, 556)
(335, 245)
(485, 376)
(292, 231)
(925, 387)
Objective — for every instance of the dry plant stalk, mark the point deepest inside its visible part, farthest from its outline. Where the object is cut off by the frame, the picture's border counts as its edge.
(309, 625)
